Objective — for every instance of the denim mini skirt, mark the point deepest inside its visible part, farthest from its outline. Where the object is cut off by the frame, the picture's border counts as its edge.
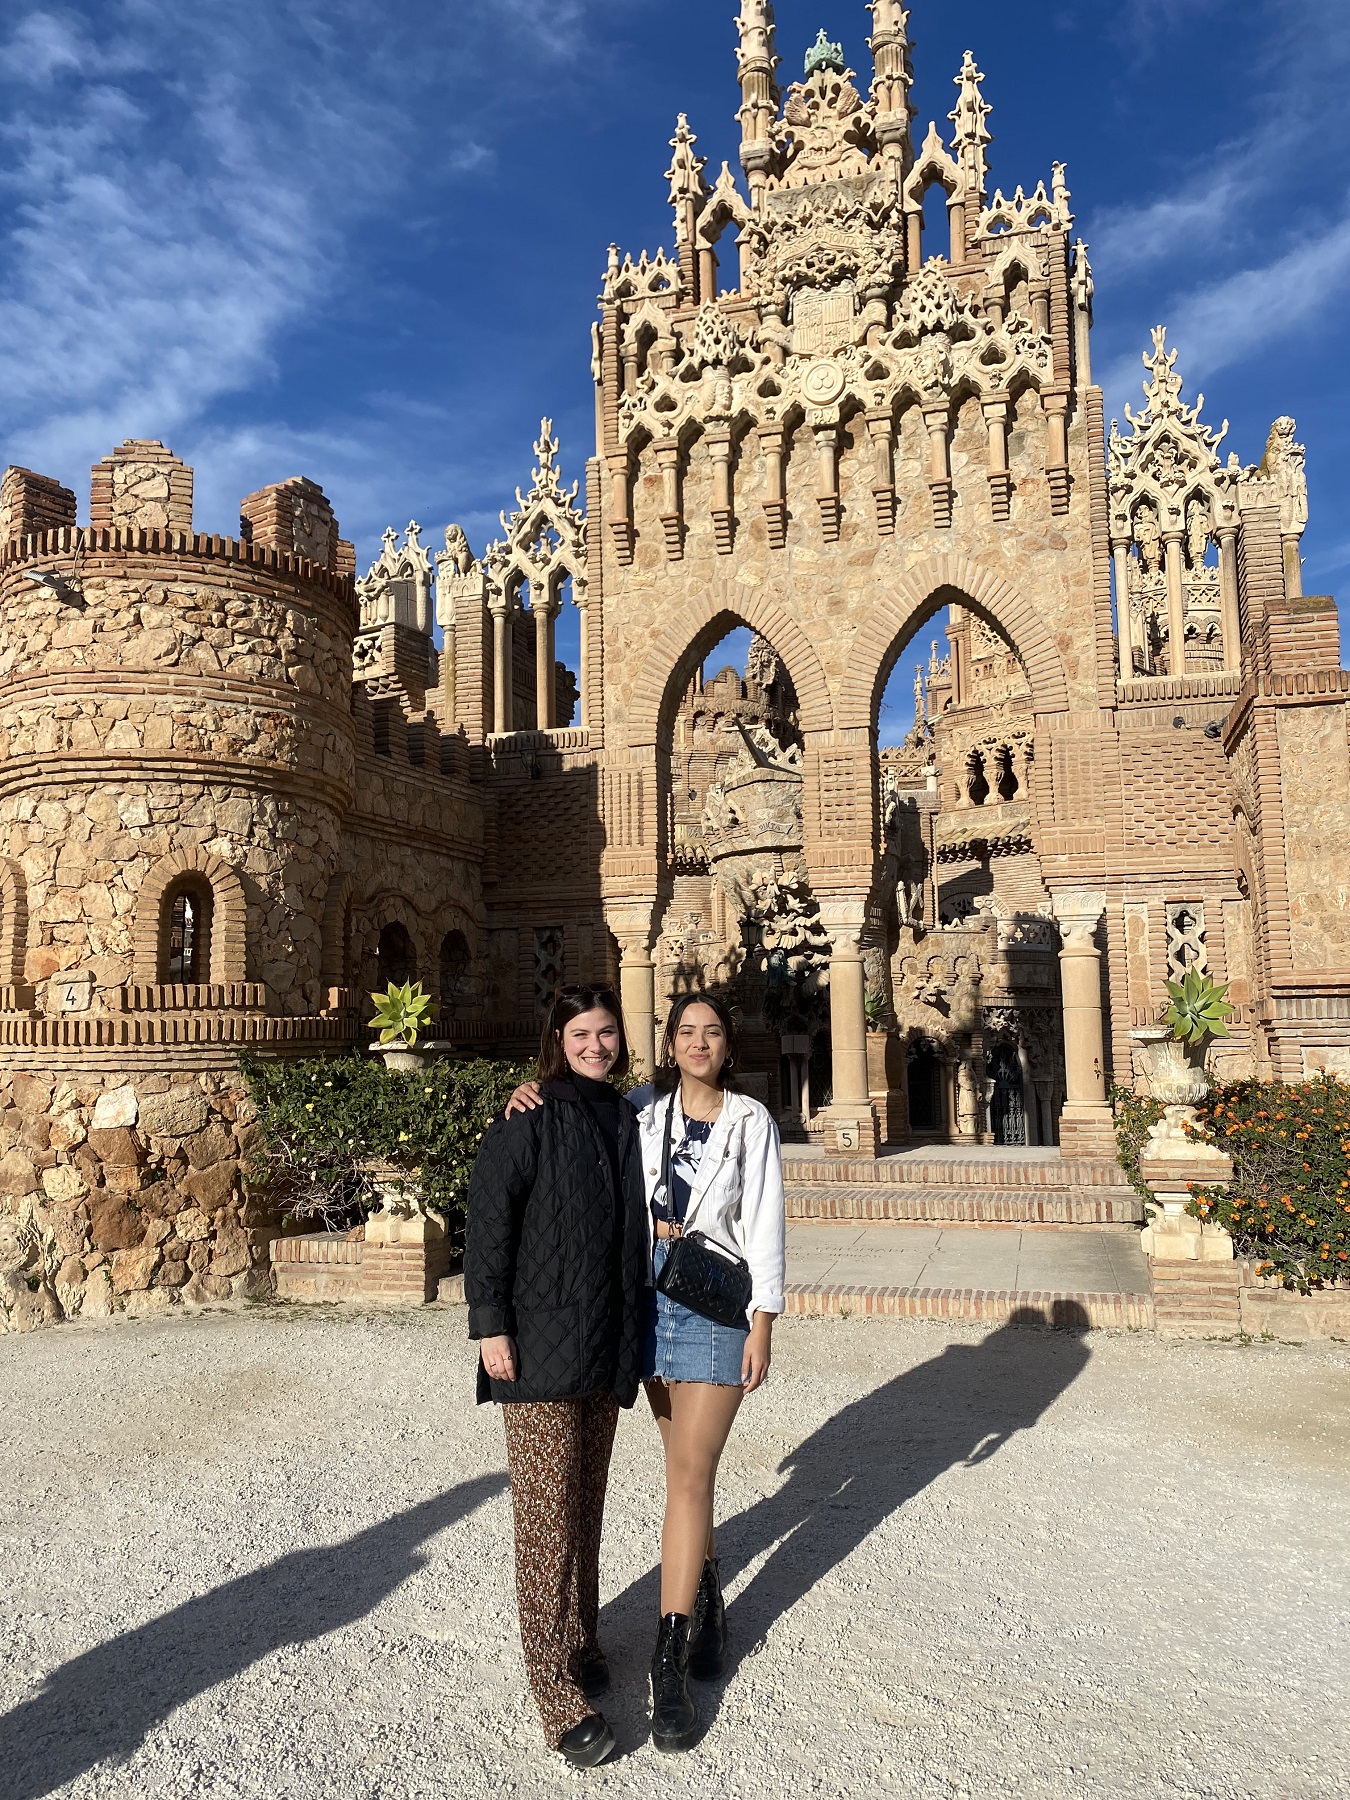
(683, 1345)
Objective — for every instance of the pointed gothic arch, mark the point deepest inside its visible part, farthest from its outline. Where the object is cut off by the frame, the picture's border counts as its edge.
(702, 622)
(906, 605)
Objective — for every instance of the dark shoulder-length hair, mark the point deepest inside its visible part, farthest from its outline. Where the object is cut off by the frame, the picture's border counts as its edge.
(569, 1004)
(667, 1075)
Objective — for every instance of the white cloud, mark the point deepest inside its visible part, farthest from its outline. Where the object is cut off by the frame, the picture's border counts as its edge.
(1194, 218)
(177, 185)
(1216, 326)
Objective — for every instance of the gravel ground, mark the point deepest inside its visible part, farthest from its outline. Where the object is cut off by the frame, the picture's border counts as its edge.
(268, 1554)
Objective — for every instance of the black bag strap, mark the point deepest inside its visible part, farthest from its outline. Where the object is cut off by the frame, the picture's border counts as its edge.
(666, 1188)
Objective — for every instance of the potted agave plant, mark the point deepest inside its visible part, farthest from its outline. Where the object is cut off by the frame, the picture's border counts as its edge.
(401, 1015)
(1172, 1062)
(1173, 1051)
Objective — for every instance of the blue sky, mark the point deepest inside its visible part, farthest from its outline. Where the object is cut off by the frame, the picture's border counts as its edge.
(363, 243)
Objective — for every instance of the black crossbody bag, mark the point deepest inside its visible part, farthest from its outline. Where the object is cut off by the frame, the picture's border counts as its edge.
(698, 1273)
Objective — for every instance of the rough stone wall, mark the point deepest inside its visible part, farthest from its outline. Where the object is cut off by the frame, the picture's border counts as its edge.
(123, 1194)
(193, 707)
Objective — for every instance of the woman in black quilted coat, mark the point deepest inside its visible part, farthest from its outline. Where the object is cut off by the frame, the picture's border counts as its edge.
(556, 1269)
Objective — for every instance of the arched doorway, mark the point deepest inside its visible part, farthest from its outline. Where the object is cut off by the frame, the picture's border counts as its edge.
(396, 959)
(737, 914)
(960, 948)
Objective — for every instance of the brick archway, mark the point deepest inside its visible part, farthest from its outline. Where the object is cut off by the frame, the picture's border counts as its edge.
(336, 950)
(903, 607)
(701, 624)
(13, 923)
(229, 917)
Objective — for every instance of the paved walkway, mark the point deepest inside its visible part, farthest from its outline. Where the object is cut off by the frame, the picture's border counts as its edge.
(909, 1257)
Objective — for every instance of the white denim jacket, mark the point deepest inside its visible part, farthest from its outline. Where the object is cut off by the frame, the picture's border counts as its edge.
(737, 1196)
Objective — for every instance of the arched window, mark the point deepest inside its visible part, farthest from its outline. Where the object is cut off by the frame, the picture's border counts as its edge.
(397, 961)
(186, 933)
(454, 972)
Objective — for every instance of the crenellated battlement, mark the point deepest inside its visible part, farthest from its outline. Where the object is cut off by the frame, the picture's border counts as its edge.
(127, 541)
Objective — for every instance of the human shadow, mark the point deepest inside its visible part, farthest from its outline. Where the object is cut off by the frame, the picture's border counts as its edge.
(954, 1411)
(105, 1702)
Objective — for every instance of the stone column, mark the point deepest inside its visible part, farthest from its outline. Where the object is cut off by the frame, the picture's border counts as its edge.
(637, 995)
(545, 608)
(851, 1128)
(1176, 603)
(584, 704)
(501, 665)
(1120, 556)
(1085, 1125)
(1228, 597)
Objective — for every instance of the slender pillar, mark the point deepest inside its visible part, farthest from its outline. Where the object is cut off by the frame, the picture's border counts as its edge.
(501, 668)
(585, 660)
(1085, 1125)
(1293, 565)
(1120, 555)
(853, 1121)
(1228, 597)
(545, 609)
(1176, 602)
(637, 996)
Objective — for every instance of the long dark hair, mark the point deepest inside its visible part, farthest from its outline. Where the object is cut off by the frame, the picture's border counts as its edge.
(569, 1004)
(668, 1076)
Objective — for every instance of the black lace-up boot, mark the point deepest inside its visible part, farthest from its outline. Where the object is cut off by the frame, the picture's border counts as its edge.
(708, 1627)
(674, 1715)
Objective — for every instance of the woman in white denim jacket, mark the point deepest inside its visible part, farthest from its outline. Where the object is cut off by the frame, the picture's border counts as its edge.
(726, 1182)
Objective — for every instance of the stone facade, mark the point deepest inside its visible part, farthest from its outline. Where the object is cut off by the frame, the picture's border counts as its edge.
(240, 789)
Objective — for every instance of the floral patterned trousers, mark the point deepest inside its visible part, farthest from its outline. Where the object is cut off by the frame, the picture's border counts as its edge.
(558, 1453)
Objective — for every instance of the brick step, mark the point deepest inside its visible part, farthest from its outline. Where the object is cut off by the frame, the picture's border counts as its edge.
(893, 1202)
(1050, 1172)
(983, 1306)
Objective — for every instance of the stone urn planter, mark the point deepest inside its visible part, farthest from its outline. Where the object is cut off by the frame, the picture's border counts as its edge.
(407, 1246)
(1173, 1072)
(408, 1059)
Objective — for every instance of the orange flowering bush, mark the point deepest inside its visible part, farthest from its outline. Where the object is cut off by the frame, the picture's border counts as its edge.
(1289, 1203)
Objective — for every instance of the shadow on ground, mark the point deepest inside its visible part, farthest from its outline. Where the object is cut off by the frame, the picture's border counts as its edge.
(954, 1411)
(104, 1703)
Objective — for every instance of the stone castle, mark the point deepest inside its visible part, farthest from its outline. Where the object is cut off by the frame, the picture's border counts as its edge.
(241, 788)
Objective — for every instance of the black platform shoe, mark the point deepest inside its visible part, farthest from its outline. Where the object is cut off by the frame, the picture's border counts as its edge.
(589, 1743)
(708, 1627)
(593, 1675)
(674, 1715)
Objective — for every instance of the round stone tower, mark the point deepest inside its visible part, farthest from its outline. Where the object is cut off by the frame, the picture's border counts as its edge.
(176, 757)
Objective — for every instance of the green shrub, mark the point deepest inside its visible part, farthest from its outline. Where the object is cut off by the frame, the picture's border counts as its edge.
(320, 1121)
(1289, 1202)
(1135, 1116)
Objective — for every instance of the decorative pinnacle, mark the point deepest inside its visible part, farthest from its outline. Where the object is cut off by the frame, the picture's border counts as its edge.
(825, 55)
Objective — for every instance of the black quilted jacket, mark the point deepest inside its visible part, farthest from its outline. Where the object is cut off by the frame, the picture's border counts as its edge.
(553, 1258)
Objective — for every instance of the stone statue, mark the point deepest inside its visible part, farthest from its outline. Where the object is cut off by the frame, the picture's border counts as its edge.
(457, 549)
(1148, 538)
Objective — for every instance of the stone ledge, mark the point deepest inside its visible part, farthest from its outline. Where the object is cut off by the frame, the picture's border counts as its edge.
(1060, 1311)
(988, 1172)
(966, 1206)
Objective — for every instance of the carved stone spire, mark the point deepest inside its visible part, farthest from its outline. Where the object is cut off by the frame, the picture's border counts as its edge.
(972, 136)
(756, 63)
(892, 80)
(688, 191)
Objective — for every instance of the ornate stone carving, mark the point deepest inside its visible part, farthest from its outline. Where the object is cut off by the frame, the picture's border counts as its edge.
(396, 589)
(1284, 460)
(544, 539)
